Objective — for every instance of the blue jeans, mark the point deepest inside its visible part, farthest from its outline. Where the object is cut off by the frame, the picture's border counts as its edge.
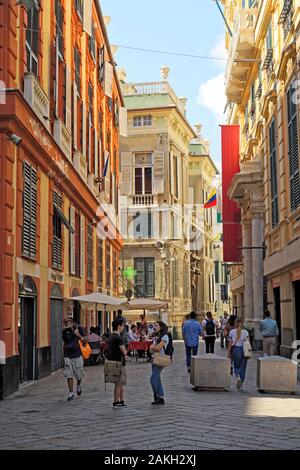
(189, 350)
(156, 382)
(239, 362)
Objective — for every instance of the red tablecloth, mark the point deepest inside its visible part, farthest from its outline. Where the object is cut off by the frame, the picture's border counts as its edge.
(139, 345)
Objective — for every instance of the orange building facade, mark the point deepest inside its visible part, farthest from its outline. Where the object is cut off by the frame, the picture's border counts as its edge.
(60, 107)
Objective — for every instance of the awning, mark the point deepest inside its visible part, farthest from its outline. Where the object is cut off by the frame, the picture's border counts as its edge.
(110, 302)
(144, 304)
(63, 219)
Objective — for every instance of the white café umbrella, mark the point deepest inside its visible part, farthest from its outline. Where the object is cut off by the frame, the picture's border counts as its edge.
(110, 302)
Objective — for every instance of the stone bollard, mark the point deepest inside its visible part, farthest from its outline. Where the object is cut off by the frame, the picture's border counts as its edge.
(276, 374)
(210, 371)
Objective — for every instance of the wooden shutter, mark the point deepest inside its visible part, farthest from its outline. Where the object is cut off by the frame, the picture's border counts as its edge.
(158, 173)
(101, 66)
(72, 242)
(82, 245)
(126, 173)
(171, 173)
(273, 171)
(96, 162)
(100, 262)
(87, 16)
(123, 122)
(83, 129)
(27, 210)
(75, 124)
(108, 78)
(293, 149)
(90, 252)
(68, 100)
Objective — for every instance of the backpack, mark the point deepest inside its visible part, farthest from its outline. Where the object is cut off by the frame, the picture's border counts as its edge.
(169, 350)
(210, 327)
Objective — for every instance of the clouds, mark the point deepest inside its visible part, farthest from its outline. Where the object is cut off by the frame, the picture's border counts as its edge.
(211, 94)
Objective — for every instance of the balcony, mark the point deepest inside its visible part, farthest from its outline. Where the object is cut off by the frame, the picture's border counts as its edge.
(139, 200)
(286, 17)
(241, 54)
(63, 138)
(154, 88)
(37, 98)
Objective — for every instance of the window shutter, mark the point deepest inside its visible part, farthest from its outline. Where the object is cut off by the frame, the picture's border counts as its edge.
(68, 100)
(293, 149)
(26, 208)
(273, 170)
(82, 245)
(84, 129)
(100, 262)
(101, 70)
(87, 16)
(172, 173)
(123, 122)
(72, 242)
(75, 125)
(57, 240)
(33, 221)
(126, 173)
(90, 252)
(96, 163)
(108, 78)
(158, 173)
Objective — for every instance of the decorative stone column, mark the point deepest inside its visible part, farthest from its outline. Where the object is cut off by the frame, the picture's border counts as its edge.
(240, 306)
(247, 257)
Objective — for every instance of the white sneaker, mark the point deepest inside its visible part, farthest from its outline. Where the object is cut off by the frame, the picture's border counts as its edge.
(238, 383)
(71, 396)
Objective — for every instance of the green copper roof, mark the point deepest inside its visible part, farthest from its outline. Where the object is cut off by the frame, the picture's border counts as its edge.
(197, 149)
(148, 101)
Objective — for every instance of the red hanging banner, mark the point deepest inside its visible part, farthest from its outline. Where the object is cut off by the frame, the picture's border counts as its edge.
(232, 230)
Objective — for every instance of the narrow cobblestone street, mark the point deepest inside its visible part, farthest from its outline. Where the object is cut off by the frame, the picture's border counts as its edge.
(39, 417)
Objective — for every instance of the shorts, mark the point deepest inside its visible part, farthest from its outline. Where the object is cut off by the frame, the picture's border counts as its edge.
(115, 372)
(74, 368)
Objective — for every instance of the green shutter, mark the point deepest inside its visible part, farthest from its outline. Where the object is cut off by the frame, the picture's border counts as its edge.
(90, 252)
(273, 171)
(293, 149)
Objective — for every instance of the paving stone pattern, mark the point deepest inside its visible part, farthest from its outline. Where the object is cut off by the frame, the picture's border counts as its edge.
(39, 416)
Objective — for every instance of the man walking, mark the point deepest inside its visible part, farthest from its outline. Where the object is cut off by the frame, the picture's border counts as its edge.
(191, 331)
(270, 332)
(73, 359)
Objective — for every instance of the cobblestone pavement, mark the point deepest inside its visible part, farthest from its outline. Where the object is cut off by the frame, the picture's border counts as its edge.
(39, 417)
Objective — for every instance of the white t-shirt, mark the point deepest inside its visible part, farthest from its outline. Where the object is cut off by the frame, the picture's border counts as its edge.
(204, 326)
(233, 337)
(165, 339)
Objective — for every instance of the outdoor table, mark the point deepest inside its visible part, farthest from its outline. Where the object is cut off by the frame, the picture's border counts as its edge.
(139, 346)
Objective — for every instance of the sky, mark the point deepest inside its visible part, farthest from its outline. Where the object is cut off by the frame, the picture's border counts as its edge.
(181, 26)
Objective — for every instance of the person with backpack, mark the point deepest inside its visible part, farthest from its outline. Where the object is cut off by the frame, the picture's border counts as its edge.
(73, 359)
(160, 346)
(191, 331)
(210, 327)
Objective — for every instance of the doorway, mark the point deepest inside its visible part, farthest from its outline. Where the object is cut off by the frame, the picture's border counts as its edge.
(277, 310)
(297, 307)
(56, 319)
(27, 330)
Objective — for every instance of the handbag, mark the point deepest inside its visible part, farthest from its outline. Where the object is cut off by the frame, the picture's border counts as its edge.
(247, 349)
(161, 360)
(85, 350)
